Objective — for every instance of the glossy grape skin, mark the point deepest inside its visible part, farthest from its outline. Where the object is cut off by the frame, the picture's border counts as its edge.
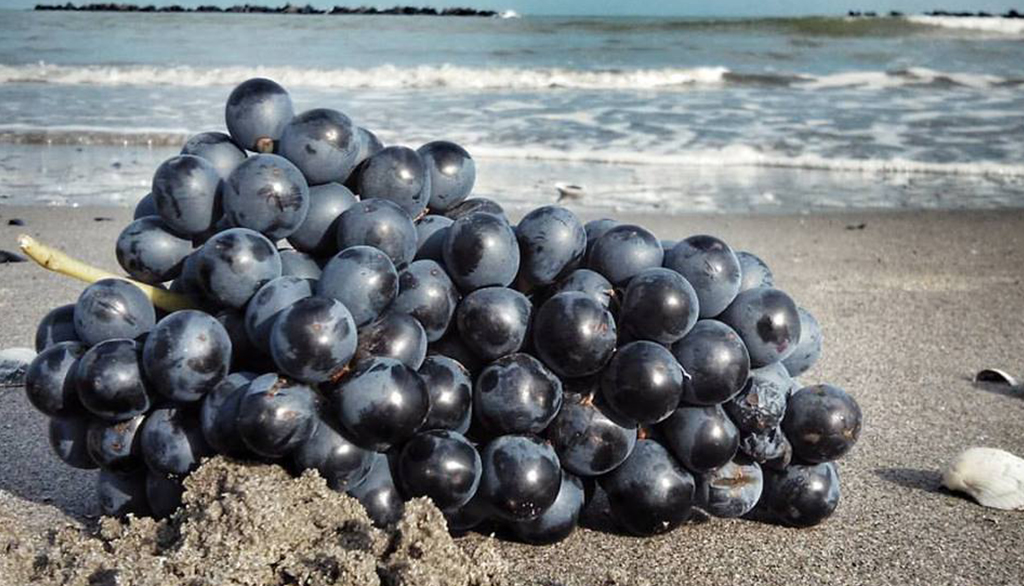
(771, 449)
(426, 293)
(397, 174)
(573, 334)
(109, 378)
(122, 494)
(521, 476)
(381, 403)
(801, 495)
(50, 380)
(701, 438)
(339, 461)
(186, 354)
(589, 442)
(363, 278)
(733, 489)
(589, 282)
(369, 144)
(557, 521)
(322, 143)
(481, 250)
(451, 394)
(650, 493)
(171, 440)
(151, 253)
(516, 394)
(378, 493)
(451, 345)
(317, 234)
(268, 194)
(146, 206)
(467, 517)
(233, 265)
(57, 326)
(596, 229)
(256, 113)
(112, 308)
(711, 267)
(642, 383)
(163, 493)
(761, 404)
(382, 224)
(299, 264)
(115, 446)
(277, 415)
(218, 149)
(394, 335)
(624, 251)
(808, 346)
(68, 441)
(268, 303)
(218, 414)
(441, 465)
(768, 322)
(822, 423)
(475, 205)
(187, 191)
(552, 243)
(314, 339)
(431, 232)
(659, 305)
(494, 321)
(716, 359)
(754, 272)
(452, 173)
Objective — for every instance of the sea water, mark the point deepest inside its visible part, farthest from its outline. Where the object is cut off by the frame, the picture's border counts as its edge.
(645, 114)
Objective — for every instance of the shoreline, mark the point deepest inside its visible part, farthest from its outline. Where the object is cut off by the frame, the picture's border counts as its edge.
(288, 8)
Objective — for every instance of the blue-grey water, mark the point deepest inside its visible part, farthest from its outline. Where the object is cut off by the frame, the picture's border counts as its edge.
(645, 113)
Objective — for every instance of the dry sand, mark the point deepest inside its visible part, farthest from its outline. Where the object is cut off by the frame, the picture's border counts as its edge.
(911, 305)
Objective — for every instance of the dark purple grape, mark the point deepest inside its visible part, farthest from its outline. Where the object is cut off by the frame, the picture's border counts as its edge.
(822, 423)
(668, 245)
(145, 207)
(257, 111)
(516, 394)
(56, 326)
(596, 229)
(378, 494)
(109, 378)
(243, 354)
(151, 253)
(394, 335)
(711, 267)
(452, 346)
(50, 379)
(588, 440)
(382, 224)
(426, 293)
(171, 440)
(369, 144)
(557, 521)
(431, 232)
(589, 282)
(218, 149)
(268, 194)
(473, 206)
(451, 394)
(397, 174)
(268, 303)
(643, 382)
(112, 308)
(768, 322)
(122, 494)
(481, 251)
(623, 252)
(659, 305)
(186, 354)
(494, 321)
(116, 446)
(452, 173)
(339, 461)
(441, 465)
(218, 415)
(574, 334)
(754, 272)
(299, 264)
(761, 404)
(801, 496)
(650, 493)
(68, 441)
(381, 403)
(768, 448)
(717, 361)
(163, 492)
(277, 415)
(467, 517)
(521, 477)
(186, 191)
(701, 438)
(314, 339)
(322, 143)
(233, 265)
(808, 346)
(363, 278)
(552, 243)
(318, 233)
(733, 489)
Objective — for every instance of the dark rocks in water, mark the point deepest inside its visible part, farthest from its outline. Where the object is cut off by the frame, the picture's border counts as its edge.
(6, 257)
(102, 219)
(253, 9)
(15, 222)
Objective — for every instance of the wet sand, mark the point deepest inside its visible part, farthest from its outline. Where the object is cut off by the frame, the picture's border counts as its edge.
(911, 305)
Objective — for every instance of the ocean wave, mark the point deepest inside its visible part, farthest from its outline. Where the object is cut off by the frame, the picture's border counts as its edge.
(1006, 26)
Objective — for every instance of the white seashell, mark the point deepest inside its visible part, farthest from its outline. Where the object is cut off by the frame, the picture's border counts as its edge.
(567, 191)
(995, 478)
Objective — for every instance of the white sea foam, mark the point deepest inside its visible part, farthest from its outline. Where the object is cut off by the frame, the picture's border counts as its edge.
(1007, 26)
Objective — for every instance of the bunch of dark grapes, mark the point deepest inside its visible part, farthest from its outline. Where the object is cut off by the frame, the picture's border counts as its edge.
(358, 314)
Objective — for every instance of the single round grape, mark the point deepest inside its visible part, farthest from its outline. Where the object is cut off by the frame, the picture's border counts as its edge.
(802, 495)
(369, 144)
(218, 415)
(574, 335)
(659, 305)
(426, 293)
(109, 378)
(768, 322)
(431, 232)
(317, 234)
(596, 229)
(451, 394)
(69, 443)
(171, 440)
(733, 489)
(441, 465)
(650, 493)
(481, 251)
(557, 521)
(382, 224)
(716, 359)
(276, 415)
(339, 461)
(822, 423)
(494, 321)
(314, 339)
(299, 264)
(233, 265)
(643, 382)
(521, 476)
(711, 267)
(394, 335)
(761, 404)
(589, 441)
(475, 205)
(591, 283)
(112, 308)
(256, 113)
(363, 278)
(452, 173)
(116, 446)
(754, 272)
(322, 143)
(623, 252)
(268, 194)
(701, 438)
(50, 379)
(56, 326)
(516, 394)
(145, 207)
(552, 243)
(378, 494)
(218, 149)
(163, 492)
(771, 449)
(396, 173)
(186, 354)
(808, 346)
(268, 303)
(186, 192)
(381, 403)
(151, 253)
(122, 494)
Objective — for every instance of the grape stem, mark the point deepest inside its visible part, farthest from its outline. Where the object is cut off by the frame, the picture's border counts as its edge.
(59, 262)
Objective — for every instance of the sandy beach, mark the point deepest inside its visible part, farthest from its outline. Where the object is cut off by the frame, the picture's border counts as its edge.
(911, 304)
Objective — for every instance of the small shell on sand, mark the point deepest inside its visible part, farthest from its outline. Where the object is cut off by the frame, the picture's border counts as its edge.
(994, 478)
